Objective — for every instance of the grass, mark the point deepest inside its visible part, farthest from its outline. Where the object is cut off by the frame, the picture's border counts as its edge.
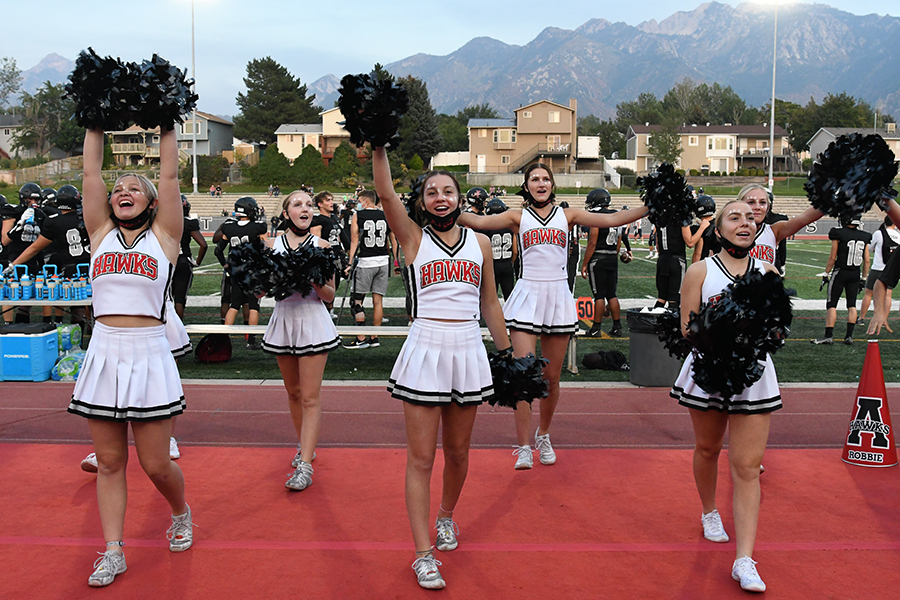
(799, 361)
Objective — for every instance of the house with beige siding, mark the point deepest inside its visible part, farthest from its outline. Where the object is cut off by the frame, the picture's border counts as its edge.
(715, 148)
(543, 131)
(325, 137)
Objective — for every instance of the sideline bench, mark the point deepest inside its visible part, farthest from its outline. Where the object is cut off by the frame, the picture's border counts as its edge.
(353, 330)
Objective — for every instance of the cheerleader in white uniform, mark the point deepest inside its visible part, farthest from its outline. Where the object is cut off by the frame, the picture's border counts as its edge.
(747, 414)
(129, 373)
(442, 373)
(300, 334)
(541, 304)
(768, 236)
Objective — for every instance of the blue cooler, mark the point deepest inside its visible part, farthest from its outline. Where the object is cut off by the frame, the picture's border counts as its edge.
(28, 351)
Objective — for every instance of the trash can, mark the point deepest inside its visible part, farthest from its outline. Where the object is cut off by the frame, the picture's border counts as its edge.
(651, 363)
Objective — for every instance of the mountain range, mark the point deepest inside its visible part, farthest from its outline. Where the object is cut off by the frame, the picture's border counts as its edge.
(820, 50)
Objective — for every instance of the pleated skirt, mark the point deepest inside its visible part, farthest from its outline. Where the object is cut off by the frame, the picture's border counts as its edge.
(299, 327)
(761, 397)
(128, 374)
(441, 363)
(179, 341)
(541, 307)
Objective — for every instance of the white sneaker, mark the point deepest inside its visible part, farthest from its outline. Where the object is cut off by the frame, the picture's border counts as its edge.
(524, 460)
(181, 533)
(89, 465)
(174, 453)
(542, 443)
(106, 568)
(298, 458)
(301, 478)
(426, 568)
(744, 570)
(447, 531)
(713, 530)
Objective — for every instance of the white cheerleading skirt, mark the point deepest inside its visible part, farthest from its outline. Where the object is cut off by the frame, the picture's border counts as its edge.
(179, 341)
(128, 374)
(441, 363)
(299, 327)
(761, 397)
(541, 307)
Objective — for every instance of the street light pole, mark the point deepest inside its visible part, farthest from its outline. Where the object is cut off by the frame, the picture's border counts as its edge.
(772, 115)
(194, 118)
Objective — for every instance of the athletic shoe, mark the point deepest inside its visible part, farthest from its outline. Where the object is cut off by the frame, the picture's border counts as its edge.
(373, 342)
(829, 341)
(385, 320)
(615, 332)
(110, 564)
(524, 460)
(253, 346)
(848, 341)
(447, 531)
(334, 316)
(713, 530)
(594, 331)
(426, 568)
(89, 464)
(181, 533)
(301, 478)
(174, 452)
(297, 458)
(744, 570)
(356, 344)
(542, 444)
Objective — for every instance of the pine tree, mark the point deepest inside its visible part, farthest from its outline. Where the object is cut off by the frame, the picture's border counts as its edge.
(419, 127)
(274, 98)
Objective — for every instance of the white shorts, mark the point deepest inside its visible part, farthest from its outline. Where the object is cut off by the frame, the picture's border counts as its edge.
(442, 363)
(761, 397)
(179, 341)
(541, 307)
(299, 327)
(128, 374)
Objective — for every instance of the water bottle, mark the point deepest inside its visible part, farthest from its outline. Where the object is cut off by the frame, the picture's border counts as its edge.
(52, 290)
(26, 287)
(2, 288)
(39, 287)
(14, 290)
(66, 291)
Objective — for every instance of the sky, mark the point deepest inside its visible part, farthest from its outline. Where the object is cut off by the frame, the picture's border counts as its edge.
(311, 39)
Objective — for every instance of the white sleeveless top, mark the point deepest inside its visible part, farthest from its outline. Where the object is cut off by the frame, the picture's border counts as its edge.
(718, 278)
(766, 244)
(281, 247)
(130, 280)
(446, 281)
(544, 244)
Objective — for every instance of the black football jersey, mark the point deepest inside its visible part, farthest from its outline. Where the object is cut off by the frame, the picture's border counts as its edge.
(190, 225)
(373, 233)
(669, 240)
(607, 237)
(852, 243)
(501, 244)
(70, 242)
(240, 232)
(331, 228)
(29, 232)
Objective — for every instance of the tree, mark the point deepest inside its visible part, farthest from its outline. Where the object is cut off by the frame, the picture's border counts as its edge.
(10, 79)
(454, 129)
(344, 163)
(46, 121)
(646, 109)
(612, 141)
(835, 111)
(273, 167)
(588, 125)
(308, 168)
(274, 97)
(419, 126)
(665, 144)
(209, 171)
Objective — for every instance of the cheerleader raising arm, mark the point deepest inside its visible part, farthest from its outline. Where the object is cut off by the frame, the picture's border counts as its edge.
(509, 219)
(169, 221)
(95, 200)
(407, 232)
(578, 216)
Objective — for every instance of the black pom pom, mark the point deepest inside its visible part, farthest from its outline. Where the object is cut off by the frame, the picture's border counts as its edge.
(668, 328)
(851, 175)
(517, 379)
(111, 95)
(259, 270)
(665, 193)
(733, 336)
(372, 106)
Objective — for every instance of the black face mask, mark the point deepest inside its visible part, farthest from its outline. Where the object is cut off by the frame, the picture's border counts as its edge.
(444, 223)
(529, 198)
(297, 230)
(735, 251)
(135, 223)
